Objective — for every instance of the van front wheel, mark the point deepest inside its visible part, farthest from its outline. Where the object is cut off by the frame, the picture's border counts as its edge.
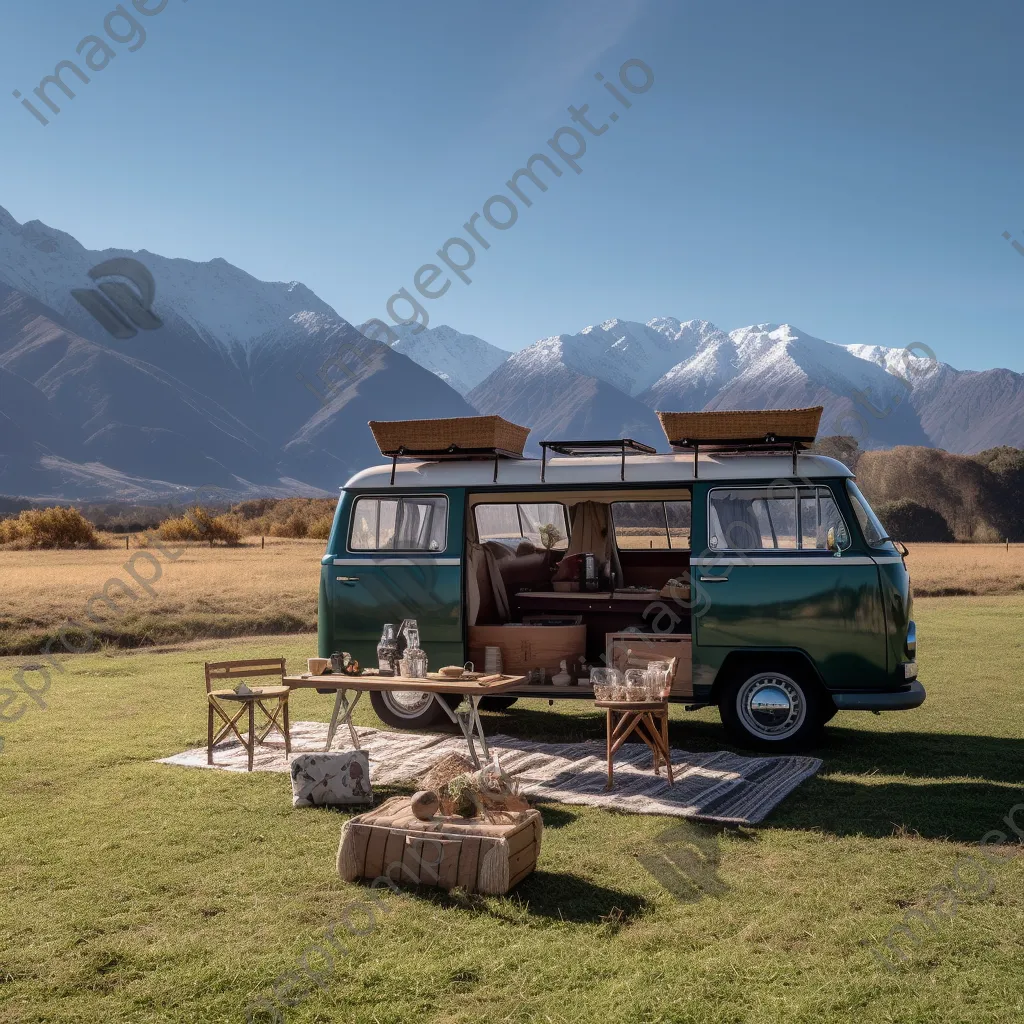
(406, 709)
(772, 710)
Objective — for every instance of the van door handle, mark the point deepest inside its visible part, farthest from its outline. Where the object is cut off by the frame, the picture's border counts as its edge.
(714, 579)
(347, 580)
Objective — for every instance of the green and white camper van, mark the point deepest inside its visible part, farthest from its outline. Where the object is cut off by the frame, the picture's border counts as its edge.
(766, 574)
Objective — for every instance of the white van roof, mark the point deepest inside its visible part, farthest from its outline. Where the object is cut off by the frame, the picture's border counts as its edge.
(673, 468)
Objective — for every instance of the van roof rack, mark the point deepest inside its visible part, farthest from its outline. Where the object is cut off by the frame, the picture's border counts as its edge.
(578, 449)
(738, 446)
(453, 451)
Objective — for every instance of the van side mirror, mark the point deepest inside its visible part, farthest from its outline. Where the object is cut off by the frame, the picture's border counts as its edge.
(837, 541)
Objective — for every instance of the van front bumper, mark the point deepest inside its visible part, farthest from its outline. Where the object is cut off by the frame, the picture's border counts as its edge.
(911, 696)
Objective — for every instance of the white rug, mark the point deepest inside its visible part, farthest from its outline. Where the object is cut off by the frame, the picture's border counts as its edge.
(717, 786)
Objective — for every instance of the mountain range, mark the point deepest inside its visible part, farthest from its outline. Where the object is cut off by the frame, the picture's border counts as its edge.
(251, 387)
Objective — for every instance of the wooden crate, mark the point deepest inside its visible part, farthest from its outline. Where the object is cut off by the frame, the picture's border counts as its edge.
(443, 852)
(526, 647)
(635, 650)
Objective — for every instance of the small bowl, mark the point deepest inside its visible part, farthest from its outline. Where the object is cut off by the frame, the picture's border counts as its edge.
(316, 666)
(603, 691)
(636, 693)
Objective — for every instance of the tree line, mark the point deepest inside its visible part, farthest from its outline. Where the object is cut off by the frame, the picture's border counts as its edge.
(926, 494)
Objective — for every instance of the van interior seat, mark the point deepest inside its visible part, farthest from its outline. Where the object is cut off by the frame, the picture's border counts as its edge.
(529, 568)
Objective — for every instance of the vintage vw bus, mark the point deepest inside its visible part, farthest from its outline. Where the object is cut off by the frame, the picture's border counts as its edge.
(765, 573)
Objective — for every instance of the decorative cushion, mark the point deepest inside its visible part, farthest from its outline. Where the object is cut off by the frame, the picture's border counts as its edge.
(331, 779)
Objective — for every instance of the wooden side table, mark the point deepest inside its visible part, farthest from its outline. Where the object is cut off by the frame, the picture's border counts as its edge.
(648, 719)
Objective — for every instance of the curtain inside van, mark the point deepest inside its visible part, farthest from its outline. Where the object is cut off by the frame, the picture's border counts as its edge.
(591, 531)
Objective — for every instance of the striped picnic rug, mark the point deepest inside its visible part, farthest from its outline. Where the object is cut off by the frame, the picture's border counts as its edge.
(717, 786)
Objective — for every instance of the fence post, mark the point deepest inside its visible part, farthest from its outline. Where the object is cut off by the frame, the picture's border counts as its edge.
(126, 542)
(263, 543)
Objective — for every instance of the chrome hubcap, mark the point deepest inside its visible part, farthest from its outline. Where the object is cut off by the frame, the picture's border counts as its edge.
(771, 706)
(407, 703)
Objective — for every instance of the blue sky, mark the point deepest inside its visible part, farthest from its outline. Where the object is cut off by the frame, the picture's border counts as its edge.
(847, 168)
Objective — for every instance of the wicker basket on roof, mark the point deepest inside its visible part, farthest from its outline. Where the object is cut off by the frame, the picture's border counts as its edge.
(447, 435)
(759, 426)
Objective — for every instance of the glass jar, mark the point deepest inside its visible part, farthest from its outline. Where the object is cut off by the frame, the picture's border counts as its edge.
(387, 650)
(414, 663)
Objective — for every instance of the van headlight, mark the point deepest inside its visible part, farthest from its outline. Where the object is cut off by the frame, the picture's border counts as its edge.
(912, 638)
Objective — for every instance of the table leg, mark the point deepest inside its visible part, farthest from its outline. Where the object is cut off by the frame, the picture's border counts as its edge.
(465, 724)
(475, 705)
(665, 740)
(611, 726)
(252, 730)
(343, 710)
(349, 708)
(339, 701)
(668, 749)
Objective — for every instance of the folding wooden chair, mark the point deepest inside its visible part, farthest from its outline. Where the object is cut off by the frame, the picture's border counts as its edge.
(220, 703)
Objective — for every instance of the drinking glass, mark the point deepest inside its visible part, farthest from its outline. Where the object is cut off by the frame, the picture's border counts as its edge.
(636, 684)
(657, 683)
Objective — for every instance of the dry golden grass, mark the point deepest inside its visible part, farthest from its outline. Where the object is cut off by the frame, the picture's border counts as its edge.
(204, 592)
(951, 570)
(246, 591)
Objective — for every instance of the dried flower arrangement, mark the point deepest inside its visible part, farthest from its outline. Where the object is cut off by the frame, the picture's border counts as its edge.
(488, 793)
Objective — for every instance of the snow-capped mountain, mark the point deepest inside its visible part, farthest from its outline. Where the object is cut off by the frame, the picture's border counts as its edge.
(248, 386)
(460, 360)
(221, 303)
(539, 387)
(261, 387)
(882, 396)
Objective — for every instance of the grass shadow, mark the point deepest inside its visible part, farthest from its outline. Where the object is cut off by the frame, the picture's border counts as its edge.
(958, 811)
(549, 895)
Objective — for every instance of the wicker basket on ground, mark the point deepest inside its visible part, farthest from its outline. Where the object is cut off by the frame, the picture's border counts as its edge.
(758, 426)
(447, 435)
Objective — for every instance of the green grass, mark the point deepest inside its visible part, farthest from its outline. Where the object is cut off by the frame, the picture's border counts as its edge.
(131, 891)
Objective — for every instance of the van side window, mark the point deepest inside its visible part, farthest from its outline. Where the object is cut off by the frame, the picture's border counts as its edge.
(651, 525)
(543, 524)
(408, 523)
(775, 518)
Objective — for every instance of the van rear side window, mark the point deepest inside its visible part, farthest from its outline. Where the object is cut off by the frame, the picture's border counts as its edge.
(759, 519)
(416, 522)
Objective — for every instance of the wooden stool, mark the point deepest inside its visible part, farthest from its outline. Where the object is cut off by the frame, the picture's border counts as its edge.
(648, 719)
(246, 702)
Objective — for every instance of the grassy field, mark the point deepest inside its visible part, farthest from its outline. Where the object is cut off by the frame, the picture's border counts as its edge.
(202, 592)
(247, 591)
(132, 891)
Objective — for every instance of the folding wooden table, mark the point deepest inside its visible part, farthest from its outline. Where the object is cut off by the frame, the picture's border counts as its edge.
(469, 689)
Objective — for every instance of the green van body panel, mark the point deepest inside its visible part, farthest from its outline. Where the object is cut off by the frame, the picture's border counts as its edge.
(828, 609)
(352, 613)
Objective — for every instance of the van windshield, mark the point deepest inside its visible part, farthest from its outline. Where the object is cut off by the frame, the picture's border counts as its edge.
(874, 532)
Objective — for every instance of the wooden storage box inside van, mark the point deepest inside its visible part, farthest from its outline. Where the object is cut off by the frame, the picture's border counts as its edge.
(635, 650)
(526, 647)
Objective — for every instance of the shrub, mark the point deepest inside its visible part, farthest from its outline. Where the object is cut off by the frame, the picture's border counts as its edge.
(198, 524)
(296, 525)
(49, 528)
(909, 520)
(320, 529)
